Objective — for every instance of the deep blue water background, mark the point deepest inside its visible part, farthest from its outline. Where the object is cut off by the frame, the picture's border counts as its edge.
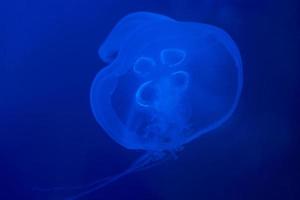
(48, 136)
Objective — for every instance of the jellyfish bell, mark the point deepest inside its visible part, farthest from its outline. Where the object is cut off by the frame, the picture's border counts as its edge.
(169, 83)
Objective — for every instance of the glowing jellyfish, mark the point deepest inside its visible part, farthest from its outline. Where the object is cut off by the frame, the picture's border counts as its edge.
(166, 83)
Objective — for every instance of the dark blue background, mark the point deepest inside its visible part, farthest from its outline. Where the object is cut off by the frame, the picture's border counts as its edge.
(48, 136)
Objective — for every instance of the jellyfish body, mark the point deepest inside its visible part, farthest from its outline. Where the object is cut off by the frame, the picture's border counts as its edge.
(166, 83)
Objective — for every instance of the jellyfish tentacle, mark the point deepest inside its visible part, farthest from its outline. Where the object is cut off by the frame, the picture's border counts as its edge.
(64, 188)
(146, 161)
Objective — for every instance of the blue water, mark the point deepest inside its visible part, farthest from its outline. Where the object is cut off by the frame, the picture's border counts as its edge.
(49, 137)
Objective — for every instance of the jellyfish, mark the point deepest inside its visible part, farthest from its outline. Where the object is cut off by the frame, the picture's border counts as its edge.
(166, 83)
